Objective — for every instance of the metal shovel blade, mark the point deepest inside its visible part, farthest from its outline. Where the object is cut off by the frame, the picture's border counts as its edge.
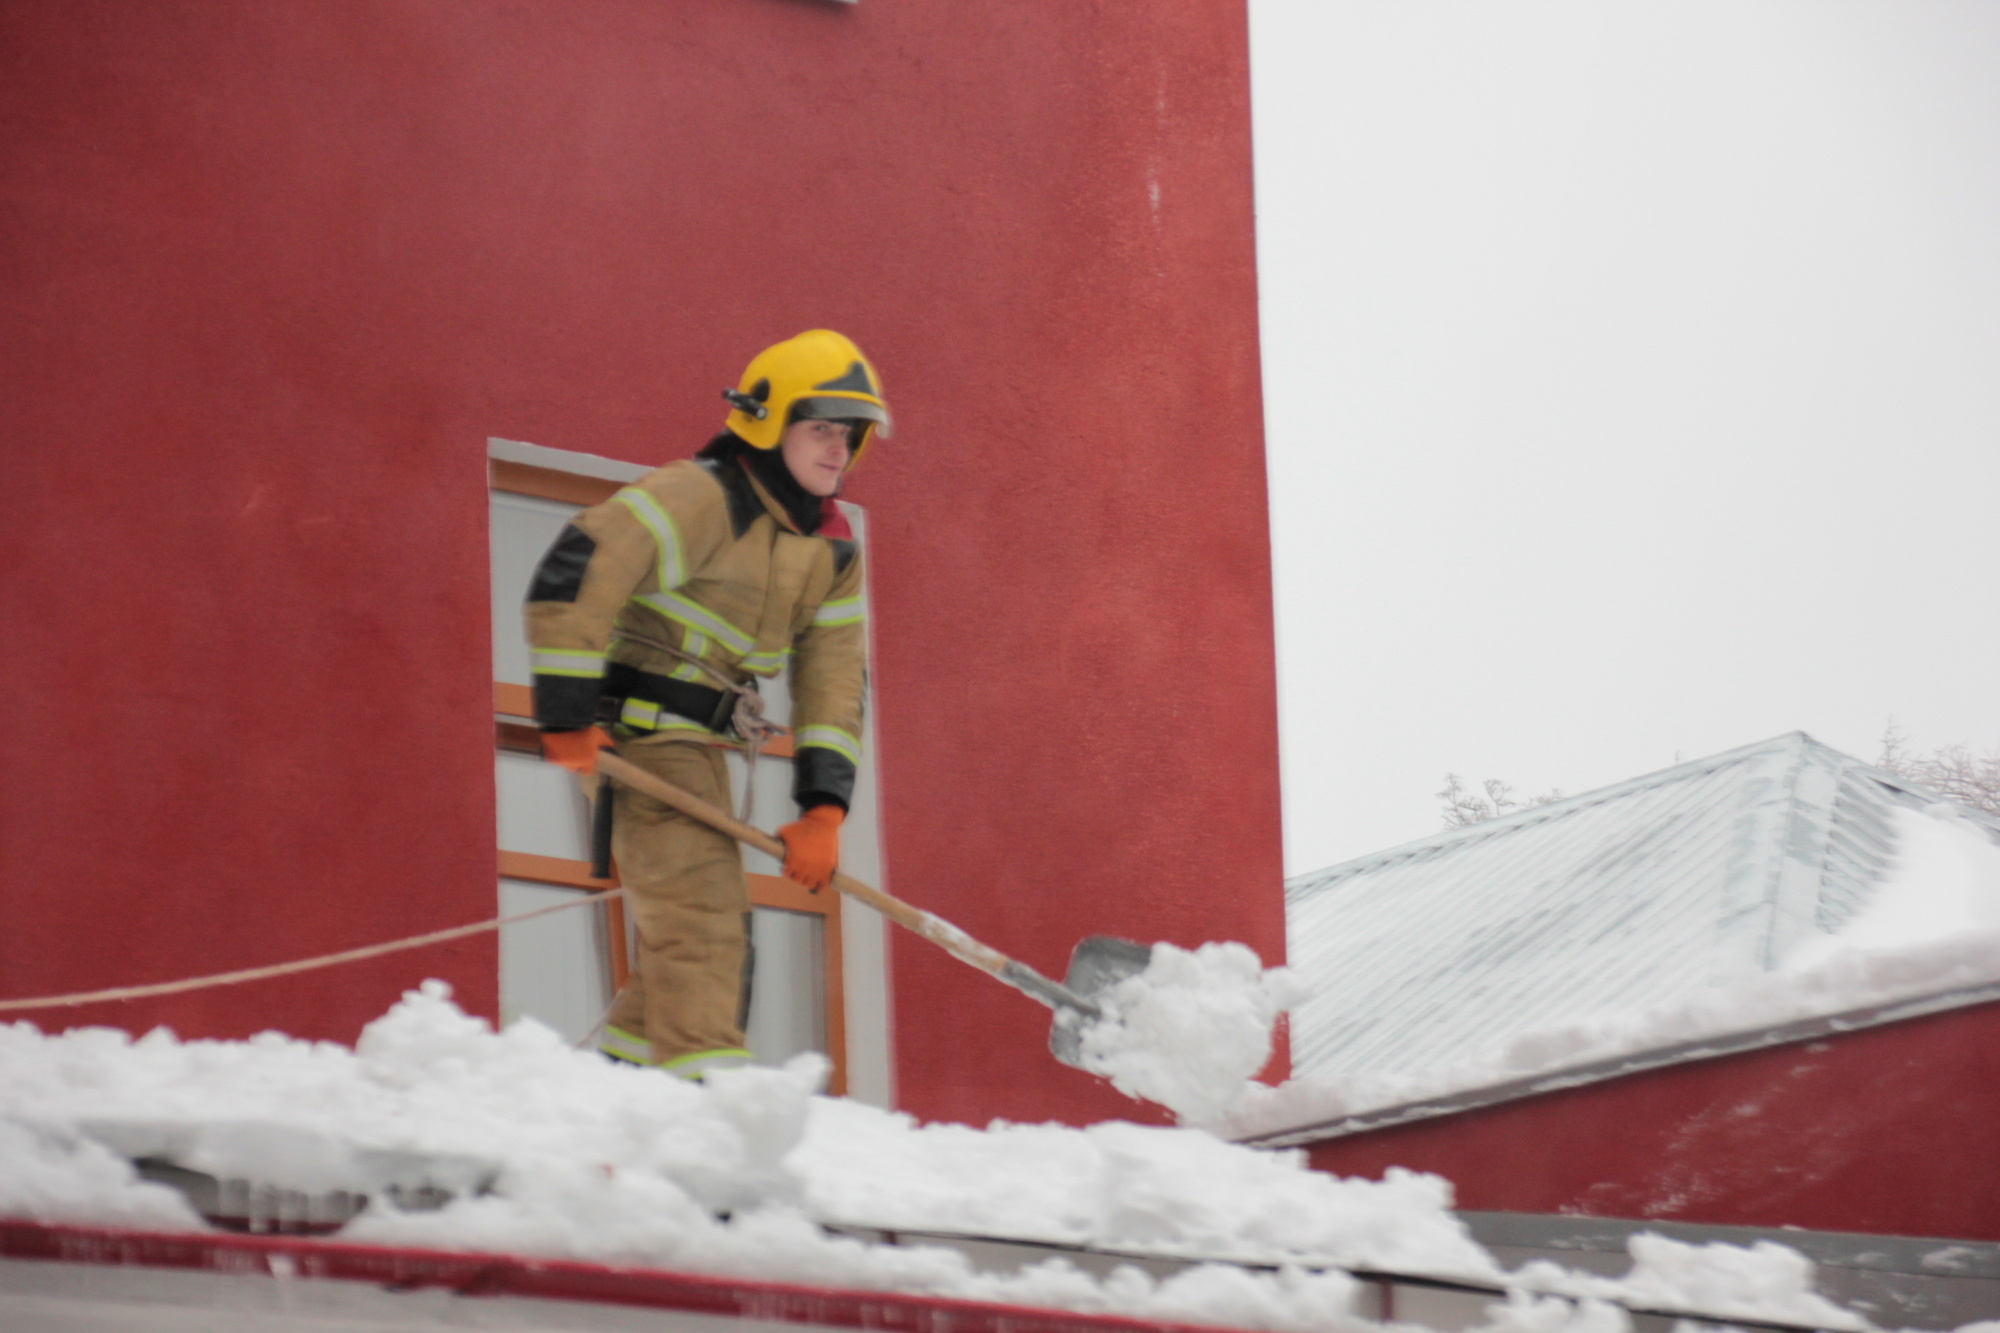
(1098, 963)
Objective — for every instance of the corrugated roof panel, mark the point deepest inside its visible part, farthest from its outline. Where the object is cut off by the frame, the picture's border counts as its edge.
(1617, 901)
(1862, 845)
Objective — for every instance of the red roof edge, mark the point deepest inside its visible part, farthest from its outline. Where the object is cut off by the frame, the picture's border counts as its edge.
(474, 1274)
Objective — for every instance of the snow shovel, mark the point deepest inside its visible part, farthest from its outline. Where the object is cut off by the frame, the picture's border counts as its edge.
(1098, 963)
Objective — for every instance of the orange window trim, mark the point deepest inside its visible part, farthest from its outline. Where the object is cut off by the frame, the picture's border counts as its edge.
(548, 484)
(765, 890)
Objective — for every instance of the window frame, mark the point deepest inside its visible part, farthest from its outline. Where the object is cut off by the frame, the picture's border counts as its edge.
(514, 730)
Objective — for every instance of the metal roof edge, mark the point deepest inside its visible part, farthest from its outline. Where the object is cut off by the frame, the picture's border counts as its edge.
(486, 1275)
(1865, 1251)
(1599, 1071)
(1557, 809)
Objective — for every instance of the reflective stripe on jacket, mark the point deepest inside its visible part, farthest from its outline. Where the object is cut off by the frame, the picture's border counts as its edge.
(697, 555)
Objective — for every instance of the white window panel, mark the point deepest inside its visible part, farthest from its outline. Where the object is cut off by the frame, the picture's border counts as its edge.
(552, 968)
(542, 809)
(521, 531)
(786, 1011)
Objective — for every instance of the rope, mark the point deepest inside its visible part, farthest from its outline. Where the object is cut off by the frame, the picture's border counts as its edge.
(749, 719)
(583, 1042)
(302, 965)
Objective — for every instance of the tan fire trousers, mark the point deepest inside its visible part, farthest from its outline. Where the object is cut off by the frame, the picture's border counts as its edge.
(685, 890)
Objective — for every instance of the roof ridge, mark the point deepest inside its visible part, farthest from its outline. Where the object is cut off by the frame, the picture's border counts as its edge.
(1537, 814)
(1759, 882)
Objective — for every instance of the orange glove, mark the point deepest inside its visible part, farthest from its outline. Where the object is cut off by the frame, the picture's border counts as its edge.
(812, 846)
(576, 750)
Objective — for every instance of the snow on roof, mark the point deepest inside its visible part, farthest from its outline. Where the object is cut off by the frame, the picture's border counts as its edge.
(535, 1150)
(1631, 900)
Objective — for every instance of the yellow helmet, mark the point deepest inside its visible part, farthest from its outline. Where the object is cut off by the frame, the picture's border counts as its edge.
(818, 375)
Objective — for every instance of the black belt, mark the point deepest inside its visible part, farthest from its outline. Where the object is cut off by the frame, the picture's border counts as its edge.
(714, 709)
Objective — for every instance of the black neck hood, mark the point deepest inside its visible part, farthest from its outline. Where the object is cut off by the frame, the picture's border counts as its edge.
(768, 467)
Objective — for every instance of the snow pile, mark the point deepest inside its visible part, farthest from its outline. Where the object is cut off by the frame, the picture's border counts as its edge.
(1946, 884)
(59, 1176)
(1192, 1029)
(1765, 1281)
(554, 1152)
(1933, 926)
(1127, 1187)
(608, 1163)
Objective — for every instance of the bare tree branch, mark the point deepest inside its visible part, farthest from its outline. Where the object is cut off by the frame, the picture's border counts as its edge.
(1953, 771)
(1462, 808)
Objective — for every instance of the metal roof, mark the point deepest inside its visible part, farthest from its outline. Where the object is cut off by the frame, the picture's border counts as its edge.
(1618, 901)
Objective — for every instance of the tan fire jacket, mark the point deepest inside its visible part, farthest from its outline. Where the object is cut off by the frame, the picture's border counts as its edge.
(698, 556)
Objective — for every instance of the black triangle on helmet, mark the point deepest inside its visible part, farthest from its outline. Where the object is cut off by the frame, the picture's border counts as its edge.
(854, 381)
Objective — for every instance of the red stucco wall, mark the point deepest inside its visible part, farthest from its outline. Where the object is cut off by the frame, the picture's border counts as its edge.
(1894, 1130)
(273, 275)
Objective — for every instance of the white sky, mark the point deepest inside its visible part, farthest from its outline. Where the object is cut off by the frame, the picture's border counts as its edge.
(1632, 375)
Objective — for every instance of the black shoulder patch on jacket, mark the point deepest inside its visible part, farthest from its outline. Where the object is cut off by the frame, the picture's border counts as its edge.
(843, 554)
(560, 575)
(744, 506)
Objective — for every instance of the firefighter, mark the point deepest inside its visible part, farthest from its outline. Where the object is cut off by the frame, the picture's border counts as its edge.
(651, 619)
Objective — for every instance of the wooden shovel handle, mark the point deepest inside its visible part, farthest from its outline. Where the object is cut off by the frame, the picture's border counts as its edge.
(933, 928)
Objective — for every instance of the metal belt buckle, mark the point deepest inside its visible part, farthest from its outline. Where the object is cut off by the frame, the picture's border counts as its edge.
(723, 722)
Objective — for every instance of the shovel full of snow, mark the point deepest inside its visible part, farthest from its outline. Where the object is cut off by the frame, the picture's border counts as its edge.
(1098, 963)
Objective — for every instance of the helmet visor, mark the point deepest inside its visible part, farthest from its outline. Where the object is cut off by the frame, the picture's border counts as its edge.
(824, 408)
